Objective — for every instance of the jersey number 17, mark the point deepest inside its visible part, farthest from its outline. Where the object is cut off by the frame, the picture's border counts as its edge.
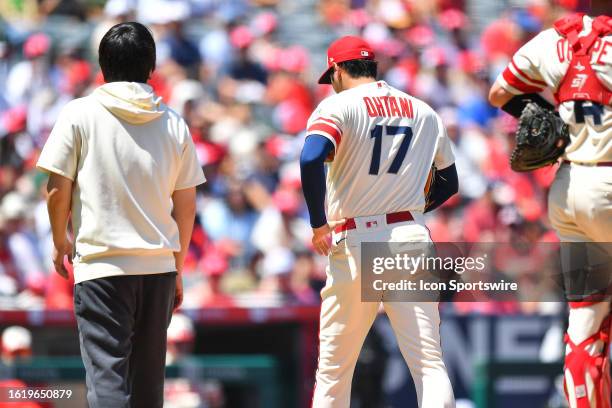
(377, 135)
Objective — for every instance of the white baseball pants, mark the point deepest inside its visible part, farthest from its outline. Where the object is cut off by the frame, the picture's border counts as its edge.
(346, 320)
(580, 203)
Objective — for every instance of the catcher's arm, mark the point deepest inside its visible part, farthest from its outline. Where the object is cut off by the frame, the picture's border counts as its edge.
(444, 184)
(515, 104)
(498, 96)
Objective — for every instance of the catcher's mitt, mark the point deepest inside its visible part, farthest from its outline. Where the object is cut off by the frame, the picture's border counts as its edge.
(541, 139)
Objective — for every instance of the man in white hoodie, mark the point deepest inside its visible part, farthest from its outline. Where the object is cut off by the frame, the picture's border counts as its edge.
(124, 166)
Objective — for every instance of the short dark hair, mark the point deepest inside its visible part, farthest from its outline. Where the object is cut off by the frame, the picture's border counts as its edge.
(127, 53)
(360, 68)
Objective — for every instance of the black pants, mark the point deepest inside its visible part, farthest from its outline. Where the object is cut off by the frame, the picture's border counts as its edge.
(122, 323)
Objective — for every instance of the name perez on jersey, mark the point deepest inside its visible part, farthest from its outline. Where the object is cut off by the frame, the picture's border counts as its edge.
(602, 51)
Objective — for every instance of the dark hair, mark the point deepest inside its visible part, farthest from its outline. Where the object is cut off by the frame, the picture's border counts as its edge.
(360, 68)
(127, 53)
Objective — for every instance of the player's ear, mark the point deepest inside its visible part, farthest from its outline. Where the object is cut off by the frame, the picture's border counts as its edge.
(336, 68)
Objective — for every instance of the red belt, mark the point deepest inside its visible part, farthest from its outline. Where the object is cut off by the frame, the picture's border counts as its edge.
(392, 218)
(600, 164)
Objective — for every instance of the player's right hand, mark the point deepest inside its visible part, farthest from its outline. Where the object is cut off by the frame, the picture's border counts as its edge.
(321, 236)
(59, 252)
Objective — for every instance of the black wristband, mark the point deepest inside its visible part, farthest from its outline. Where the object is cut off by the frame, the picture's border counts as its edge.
(516, 105)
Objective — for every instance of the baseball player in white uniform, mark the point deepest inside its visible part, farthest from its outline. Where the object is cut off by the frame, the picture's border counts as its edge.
(574, 60)
(379, 144)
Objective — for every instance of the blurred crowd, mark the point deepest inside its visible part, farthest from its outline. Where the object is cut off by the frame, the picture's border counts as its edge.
(242, 73)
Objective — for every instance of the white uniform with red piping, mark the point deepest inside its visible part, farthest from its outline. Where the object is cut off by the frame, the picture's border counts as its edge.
(542, 63)
(385, 142)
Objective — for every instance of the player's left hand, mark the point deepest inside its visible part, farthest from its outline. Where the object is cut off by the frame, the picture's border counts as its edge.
(178, 292)
(321, 236)
(59, 252)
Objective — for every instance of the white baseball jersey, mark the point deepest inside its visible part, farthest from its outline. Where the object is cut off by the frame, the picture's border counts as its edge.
(542, 63)
(385, 142)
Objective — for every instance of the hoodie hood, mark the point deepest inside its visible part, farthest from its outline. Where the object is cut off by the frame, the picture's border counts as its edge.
(132, 102)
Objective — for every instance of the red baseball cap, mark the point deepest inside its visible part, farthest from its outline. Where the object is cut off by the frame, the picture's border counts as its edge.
(346, 49)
